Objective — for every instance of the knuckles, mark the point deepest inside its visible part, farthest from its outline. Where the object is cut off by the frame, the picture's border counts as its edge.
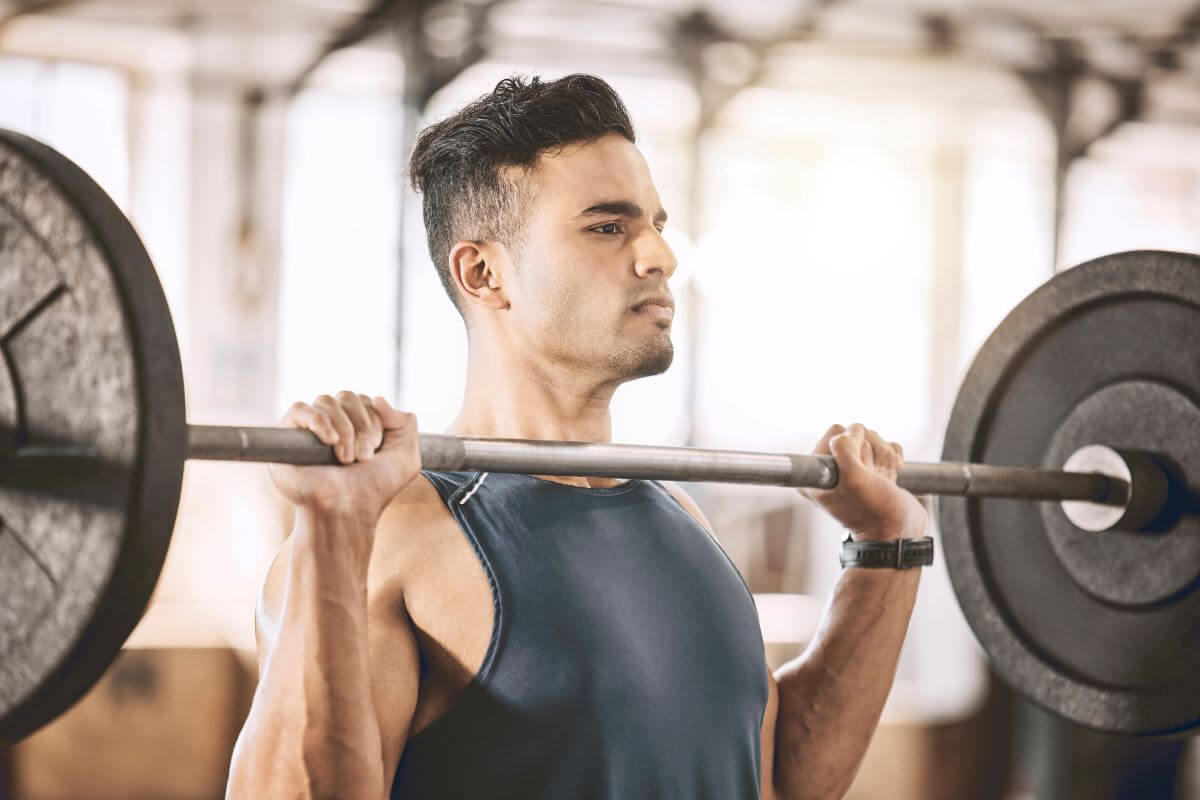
(348, 412)
(856, 442)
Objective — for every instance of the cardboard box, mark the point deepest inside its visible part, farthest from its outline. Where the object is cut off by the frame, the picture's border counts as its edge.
(160, 724)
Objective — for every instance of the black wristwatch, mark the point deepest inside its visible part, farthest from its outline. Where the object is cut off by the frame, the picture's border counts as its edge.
(894, 554)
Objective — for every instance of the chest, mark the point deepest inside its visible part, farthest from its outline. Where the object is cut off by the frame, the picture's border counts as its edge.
(623, 613)
(652, 636)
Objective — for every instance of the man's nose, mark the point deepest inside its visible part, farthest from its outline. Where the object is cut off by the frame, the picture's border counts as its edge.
(654, 253)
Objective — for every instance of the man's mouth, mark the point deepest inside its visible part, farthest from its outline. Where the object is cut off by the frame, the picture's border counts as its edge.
(658, 307)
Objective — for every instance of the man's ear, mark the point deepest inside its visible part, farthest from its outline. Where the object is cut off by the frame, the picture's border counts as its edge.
(475, 267)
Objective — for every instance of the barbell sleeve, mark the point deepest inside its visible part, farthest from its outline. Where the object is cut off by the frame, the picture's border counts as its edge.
(601, 459)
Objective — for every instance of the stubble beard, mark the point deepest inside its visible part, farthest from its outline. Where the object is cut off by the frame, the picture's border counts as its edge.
(623, 357)
(620, 360)
(650, 356)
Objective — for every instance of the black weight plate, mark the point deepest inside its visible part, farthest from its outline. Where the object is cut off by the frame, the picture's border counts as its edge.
(92, 432)
(1101, 628)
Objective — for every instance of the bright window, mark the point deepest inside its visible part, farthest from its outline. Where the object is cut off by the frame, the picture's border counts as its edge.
(79, 109)
(337, 301)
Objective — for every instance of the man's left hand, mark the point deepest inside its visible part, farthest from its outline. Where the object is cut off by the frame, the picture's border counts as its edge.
(866, 499)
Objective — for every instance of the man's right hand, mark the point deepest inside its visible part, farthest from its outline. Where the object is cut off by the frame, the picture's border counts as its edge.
(377, 446)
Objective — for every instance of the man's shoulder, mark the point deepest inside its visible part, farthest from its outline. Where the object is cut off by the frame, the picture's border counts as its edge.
(412, 524)
(689, 505)
(418, 503)
(416, 519)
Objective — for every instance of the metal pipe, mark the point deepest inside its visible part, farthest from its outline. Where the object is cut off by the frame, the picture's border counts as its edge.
(601, 459)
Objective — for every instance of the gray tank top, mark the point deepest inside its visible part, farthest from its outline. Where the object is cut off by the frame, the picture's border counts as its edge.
(626, 659)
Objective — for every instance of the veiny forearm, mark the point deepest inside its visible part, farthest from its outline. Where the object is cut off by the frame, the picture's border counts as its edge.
(831, 696)
(312, 729)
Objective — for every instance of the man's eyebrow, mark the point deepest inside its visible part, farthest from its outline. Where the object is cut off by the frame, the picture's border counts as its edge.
(619, 208)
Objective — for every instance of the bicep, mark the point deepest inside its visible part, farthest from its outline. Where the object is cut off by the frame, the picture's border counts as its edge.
(394, 667)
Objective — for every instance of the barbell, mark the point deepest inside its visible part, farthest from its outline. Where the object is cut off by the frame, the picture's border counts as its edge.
(1086, 393)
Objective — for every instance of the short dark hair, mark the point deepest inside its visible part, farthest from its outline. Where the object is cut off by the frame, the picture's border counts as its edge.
(459, 164)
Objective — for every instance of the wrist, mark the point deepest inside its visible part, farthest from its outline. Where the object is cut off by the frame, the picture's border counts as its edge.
(887, 534)
(901, 553)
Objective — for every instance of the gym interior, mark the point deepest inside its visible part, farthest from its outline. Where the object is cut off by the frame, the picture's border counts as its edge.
(927, 165)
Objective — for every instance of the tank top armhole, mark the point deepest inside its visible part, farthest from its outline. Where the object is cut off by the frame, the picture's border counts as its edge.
(453, 494)
(706, 532)
(766, 689)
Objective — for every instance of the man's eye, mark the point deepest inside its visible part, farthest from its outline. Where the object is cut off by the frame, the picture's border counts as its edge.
(610, 228)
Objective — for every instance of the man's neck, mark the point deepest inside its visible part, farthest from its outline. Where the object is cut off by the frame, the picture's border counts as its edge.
(525, 401)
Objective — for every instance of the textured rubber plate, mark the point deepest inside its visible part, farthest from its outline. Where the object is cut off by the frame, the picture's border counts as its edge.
(1101, 628)
(92, 432)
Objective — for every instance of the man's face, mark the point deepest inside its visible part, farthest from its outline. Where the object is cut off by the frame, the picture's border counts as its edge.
(593, 251)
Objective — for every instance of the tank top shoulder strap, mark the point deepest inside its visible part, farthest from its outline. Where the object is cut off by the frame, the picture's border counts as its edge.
(452, 485)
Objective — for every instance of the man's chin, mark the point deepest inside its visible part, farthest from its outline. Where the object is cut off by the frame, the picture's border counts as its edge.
(654, 359)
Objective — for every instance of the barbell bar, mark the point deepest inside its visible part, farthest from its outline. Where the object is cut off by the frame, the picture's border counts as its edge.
(601, 459)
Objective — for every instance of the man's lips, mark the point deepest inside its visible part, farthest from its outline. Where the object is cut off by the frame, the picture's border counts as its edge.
(659, 307)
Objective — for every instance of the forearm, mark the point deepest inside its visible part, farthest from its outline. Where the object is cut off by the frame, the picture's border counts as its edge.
(831, 696)
(312, 729)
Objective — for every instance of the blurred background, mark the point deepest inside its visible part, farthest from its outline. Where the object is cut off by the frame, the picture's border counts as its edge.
(929, 161)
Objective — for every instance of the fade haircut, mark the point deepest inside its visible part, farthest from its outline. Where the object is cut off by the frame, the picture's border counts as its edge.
(466, 166)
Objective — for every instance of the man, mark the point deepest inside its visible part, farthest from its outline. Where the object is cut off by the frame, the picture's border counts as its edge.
(469, 635)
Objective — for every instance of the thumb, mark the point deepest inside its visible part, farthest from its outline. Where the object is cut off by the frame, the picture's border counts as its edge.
(390, 417)
(847, 451)
(401, 441)
(399, 427)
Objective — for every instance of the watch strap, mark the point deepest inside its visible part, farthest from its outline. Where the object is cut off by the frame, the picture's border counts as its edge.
(894, 554)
